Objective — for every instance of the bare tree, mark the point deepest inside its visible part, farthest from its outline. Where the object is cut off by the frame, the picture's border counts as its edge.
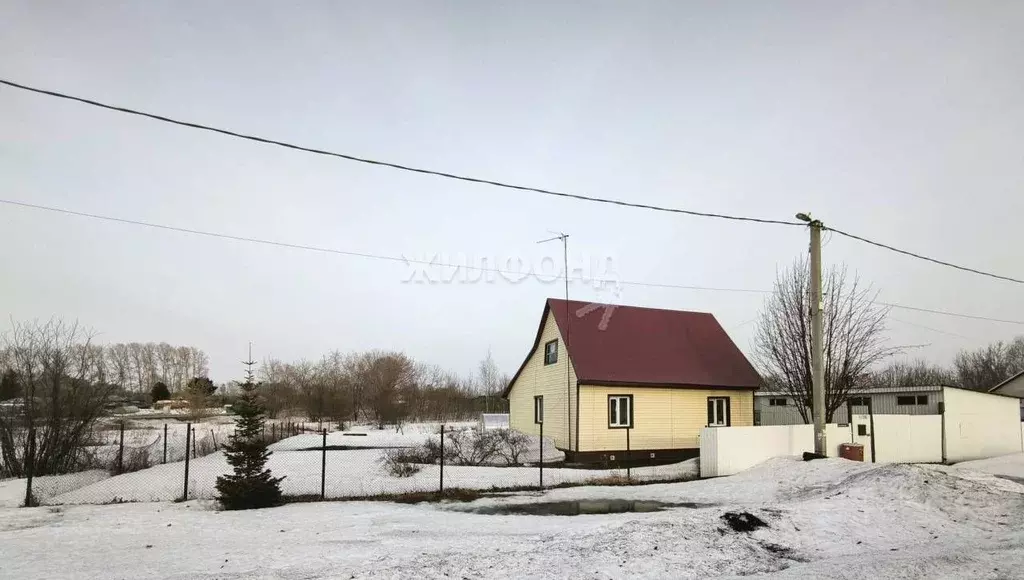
(854, 341)
(274, 386)
(914, 373)
(46, 433)
(389, 380)
(119, 367)
(988, 366)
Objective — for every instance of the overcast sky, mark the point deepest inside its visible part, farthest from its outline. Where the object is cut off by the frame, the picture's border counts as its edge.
(896, 121)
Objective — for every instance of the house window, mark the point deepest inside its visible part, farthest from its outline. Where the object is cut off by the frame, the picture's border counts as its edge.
(551, 352)
(538, 409)
(922, 399)
(911, 400)
(620, 411)
(860, 401)
(718, 412)
(780, 402)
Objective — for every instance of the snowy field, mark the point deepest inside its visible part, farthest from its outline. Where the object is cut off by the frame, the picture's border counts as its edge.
(826, 519)
(350, 472)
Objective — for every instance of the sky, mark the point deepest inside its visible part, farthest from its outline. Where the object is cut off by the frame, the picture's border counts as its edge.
(900, 122)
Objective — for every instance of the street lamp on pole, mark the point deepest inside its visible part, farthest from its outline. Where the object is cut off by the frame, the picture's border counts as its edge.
(817, 352)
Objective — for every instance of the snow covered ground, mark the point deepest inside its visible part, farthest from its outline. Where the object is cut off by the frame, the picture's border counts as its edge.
(350, 472)
(1007, 466)
(826, 519)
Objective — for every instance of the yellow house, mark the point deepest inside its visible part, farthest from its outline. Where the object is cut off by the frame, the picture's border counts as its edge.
(623, 383)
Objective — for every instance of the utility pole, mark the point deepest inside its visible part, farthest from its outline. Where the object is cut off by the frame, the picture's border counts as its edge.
(564, 237)
(817, 350)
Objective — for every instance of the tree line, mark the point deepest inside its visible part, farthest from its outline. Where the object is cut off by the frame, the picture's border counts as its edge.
(385, 387)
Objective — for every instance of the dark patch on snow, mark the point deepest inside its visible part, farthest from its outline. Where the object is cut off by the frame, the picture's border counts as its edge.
(350, 447)
(743, 521)
(783, 552)
(583, 507)
(1019, 480)
(808, 456)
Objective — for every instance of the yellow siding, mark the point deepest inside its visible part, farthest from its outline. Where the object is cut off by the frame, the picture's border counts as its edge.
(663, 418)
(549, 381)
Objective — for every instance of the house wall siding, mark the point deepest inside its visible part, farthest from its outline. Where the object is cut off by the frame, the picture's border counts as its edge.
(550, 382)
(663, 417)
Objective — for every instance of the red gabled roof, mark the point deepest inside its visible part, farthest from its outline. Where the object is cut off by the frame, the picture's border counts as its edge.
(647, 346)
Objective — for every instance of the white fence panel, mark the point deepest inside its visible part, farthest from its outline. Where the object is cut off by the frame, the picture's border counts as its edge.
(729, 450)
(908, 439)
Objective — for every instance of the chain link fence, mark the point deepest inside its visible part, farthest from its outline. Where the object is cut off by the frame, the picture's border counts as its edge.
(420, 460)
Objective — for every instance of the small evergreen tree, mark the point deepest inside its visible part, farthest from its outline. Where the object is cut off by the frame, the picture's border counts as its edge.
(251, 485)
(160, 392)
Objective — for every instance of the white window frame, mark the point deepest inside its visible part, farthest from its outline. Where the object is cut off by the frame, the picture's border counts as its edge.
(623, 406)
(719, 404)
(538, 409)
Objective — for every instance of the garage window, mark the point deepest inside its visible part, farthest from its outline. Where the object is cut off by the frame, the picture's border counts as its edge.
(905, 400)
(860, 401)
(780, 402)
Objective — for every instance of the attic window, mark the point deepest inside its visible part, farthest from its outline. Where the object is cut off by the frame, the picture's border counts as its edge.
(551, 352)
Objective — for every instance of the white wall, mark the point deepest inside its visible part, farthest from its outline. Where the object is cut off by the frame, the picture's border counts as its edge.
(729, 450)
(980, 425)
(907, 439)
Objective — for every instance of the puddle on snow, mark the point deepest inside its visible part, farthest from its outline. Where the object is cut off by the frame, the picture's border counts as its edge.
(582, 507)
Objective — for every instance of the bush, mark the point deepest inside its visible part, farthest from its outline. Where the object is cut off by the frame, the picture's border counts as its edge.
(512, 445)
(135, 459)
(471, 447)
(402, 462)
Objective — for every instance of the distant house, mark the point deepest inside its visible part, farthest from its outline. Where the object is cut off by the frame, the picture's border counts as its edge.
(1014, 387)
(604, 377)
(779, 408)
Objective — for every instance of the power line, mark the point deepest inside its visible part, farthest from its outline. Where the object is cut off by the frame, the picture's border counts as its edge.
(946, 313)
(946, 332)
(404, 260)
(478, 180)
(388, 163)
(922, 257)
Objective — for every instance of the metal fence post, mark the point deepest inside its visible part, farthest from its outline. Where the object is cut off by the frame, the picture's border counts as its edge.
(165, 444)
(120, 450)
(30, 466)
(323, 468)
(442, 460)
(629, 470)
(188, 439)
(273, 431)
(214, 436)
(195, 454)
(540, 459)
